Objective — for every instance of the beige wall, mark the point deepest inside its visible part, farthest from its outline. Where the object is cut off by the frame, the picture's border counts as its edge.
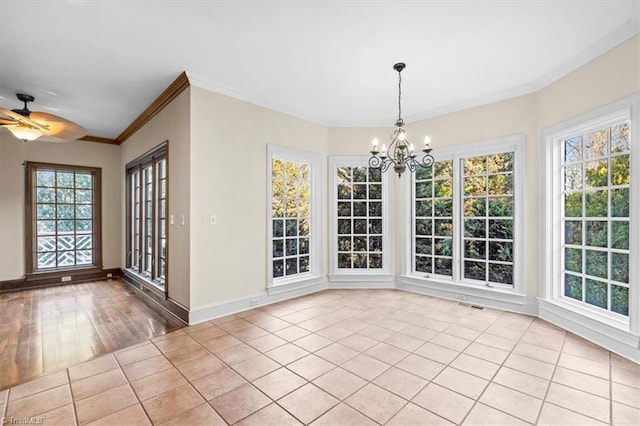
(228, 179)
(171, 124)
(12, 155)
(610, 77)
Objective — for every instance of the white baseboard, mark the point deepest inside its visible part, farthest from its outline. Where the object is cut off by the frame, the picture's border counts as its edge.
(611, 338)
(389, 285)
(209, 312)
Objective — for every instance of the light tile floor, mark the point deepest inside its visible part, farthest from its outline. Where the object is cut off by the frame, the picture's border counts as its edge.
(345, 357)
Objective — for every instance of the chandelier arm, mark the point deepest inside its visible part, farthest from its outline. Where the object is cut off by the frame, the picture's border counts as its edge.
(427, 160)
(375, 162)
(385, 165)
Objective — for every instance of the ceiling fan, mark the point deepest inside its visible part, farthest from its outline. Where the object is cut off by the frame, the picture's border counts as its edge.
(29, 125)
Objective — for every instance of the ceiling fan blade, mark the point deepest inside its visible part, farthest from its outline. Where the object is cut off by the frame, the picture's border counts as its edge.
(57, 127)
(20, 119)
(7, 122)
(45, 138)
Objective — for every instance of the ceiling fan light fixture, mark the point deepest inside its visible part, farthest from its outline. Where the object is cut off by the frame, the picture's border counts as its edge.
(30, 125)
(23, 133)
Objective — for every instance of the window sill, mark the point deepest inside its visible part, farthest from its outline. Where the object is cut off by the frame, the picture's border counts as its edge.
(295, 283)
(461, 291)
(60, 272)
(145, 283)
(575, 309)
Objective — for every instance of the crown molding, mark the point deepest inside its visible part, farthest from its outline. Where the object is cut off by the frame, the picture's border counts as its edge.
(602, 46)
(231, 92)
(169, 94)
(98, 139)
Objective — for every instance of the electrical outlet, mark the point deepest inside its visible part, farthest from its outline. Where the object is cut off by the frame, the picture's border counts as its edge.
(461, 296)
(213, 220)
(253, 302)
(109, 275)
(66, 279)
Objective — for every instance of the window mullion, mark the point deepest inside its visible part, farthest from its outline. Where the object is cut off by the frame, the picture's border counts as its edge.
(154, 233)
(140, 218)
(458, 218)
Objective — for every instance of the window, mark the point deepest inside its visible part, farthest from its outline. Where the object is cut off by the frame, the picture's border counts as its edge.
(590, 230)
(63, 217)
(294, 234)
(595, 223)
(433, 225)
(147, 206)
(465, 215)
(360, 218)
(488, 218)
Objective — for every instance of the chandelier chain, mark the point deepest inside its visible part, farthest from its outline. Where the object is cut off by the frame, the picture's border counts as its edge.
(399, 96)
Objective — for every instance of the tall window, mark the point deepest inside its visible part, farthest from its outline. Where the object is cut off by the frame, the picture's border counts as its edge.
(465, 215)
(433, 225)
(590, 211)
(63, 217)
(294, 215)
(359, 218)
(488, 218)
(595, 218)
(147, 216)
(291, 214)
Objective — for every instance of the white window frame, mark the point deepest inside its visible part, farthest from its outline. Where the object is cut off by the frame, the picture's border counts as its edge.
(551, 238)
(457, 284)
(314, 276)
(341, 274)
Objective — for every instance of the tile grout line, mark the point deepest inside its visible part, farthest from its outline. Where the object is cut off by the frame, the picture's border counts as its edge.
(393, 365)
(308, 382)
(578, 389)
(206, 401)
(249, 382)
(6, 404)
(407, 400)
(610, 390)
(335, 366)
(501, 365)
(555, 368)
(73, 400)
(120, 367)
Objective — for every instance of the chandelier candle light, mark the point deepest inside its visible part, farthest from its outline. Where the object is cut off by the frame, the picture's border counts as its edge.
(401, 152)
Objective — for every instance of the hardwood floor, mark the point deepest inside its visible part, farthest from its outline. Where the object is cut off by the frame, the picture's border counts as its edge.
(45, 330)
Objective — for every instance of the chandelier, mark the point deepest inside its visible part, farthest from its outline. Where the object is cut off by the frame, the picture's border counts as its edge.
(400, 154)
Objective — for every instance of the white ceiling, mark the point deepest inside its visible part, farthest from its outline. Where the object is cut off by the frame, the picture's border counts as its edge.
(102, 63)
